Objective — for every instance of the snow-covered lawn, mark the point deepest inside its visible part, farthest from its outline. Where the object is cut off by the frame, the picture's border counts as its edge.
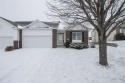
(62, 65)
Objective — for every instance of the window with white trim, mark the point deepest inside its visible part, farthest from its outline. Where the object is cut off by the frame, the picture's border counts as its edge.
(76, 36)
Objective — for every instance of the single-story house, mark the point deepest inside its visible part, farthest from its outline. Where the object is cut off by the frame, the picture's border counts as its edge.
(38, 34)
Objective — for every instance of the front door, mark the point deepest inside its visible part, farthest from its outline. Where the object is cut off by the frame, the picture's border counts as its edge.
(60, 38)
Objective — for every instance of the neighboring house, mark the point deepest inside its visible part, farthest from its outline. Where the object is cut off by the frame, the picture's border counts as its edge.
(111, 36)
(38, 34)
(8, 33)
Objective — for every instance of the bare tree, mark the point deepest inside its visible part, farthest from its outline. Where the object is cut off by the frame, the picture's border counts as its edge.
(104, 15)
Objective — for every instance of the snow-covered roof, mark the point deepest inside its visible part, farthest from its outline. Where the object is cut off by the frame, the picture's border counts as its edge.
(77, 27)
(9, 21)
(53, 24)
(20, 27)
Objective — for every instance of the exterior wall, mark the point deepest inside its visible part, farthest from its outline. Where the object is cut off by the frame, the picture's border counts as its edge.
(112, 36)
(86, 37)
(95, 36)
(67, 36)
(15, 43)
(37, 24)
(121, 30)
(117, 30)
(54, 38)
(20, 38)
(8, 30)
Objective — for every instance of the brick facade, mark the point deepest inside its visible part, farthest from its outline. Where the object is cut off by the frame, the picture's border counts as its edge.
(67, 36)
(86, 37)
(15, 43)
(20, 38)
(54, 38)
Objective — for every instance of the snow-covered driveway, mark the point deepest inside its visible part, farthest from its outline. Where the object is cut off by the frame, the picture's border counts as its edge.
(15, 65)
(61, 65)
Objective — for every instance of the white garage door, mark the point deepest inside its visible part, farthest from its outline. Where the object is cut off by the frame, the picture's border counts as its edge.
(37, 42)
(6, 41)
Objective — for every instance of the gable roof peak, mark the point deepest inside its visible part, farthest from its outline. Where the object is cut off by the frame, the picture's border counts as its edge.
(37, 21)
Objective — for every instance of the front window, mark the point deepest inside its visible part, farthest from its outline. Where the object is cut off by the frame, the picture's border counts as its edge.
(76, 36)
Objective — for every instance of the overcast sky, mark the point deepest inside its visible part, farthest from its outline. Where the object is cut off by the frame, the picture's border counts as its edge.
(24, 10)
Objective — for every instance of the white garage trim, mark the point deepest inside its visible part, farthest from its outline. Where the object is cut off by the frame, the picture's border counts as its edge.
(37, 36)
(5, 41)
(37, 42)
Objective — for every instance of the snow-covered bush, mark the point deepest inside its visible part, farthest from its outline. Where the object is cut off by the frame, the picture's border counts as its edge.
(78, 45)
(119, 36)
(9, 48)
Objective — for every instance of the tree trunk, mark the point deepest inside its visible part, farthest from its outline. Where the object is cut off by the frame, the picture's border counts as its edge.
(103, 51)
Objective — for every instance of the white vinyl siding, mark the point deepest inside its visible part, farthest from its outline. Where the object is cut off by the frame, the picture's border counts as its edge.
(5, 41)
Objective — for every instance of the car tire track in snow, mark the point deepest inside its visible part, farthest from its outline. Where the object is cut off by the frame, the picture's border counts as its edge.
(8, 74)
(35, 66)
(54, 66)
(25, 59)
(42, 64)
(31, 69)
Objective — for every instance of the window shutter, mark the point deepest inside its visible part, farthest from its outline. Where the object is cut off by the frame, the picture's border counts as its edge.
(70, 36)
(82, 36)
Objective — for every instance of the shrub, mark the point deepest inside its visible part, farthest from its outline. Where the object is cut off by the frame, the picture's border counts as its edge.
(119, 36)
(85, 46)
(67, 44)
(92, 45)
(9, 48)
(78, 45)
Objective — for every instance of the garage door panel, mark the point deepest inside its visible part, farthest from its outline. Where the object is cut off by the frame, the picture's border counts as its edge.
(37, 42)
(6, 41)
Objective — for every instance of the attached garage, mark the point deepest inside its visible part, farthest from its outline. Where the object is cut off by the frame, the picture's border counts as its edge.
(38, 34)
(37, 38)
(37, 42)
(5, 41)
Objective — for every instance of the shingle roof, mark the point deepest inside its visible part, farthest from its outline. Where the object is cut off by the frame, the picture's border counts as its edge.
(51, 24)
(76, 27)
(11, 22)
(24, 23)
